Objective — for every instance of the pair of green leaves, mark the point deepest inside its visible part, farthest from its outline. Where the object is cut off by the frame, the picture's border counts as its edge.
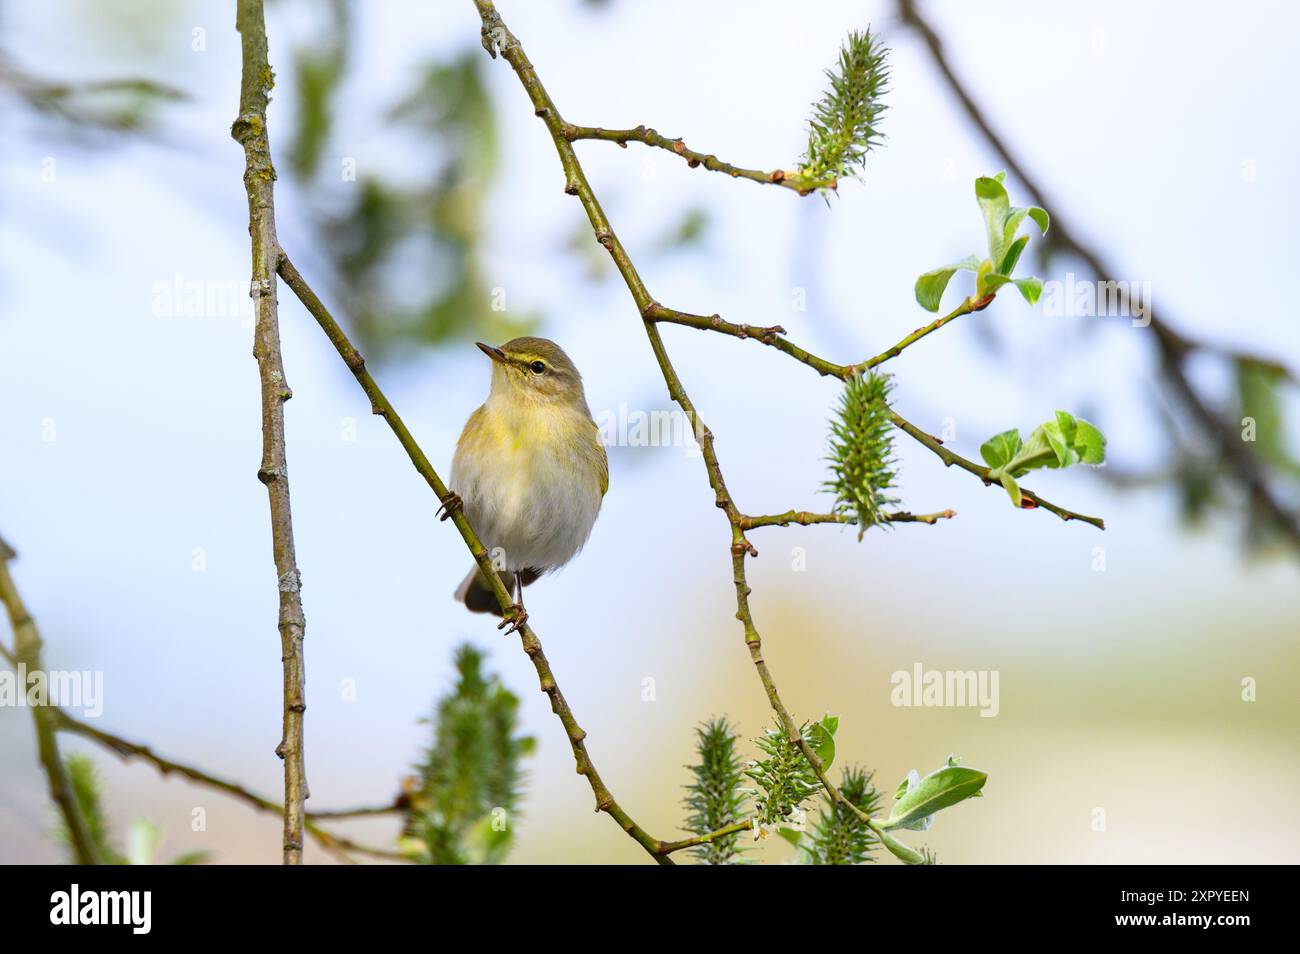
(1002, 221)
(917, 800)
(1062, 442)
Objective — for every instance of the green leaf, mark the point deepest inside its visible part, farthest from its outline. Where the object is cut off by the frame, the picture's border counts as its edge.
(911, 781)
(1000, 449)
(790, 835)
(993, 201)
(1012, 487)
(1061, 442)
(931, 285)
(938, 790)
(982, 279)
(142, 840)
(901, 851)
(1089, 443)
(1030, 288)
(1008, 264)
(1002, 221)
(821, 737)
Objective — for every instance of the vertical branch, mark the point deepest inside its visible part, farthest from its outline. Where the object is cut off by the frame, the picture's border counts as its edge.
(249, 130)
(27, 658)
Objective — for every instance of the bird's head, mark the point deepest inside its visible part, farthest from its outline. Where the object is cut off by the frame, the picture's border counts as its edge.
(535, 370)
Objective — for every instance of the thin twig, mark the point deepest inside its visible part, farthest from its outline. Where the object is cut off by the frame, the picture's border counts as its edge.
(126, 749)
(249, 130)
(804, 518)
(789, 179)
(379, 404)
(969, 306)
(27, 654)
(770, 336)
(1030, 500)
(732, 829)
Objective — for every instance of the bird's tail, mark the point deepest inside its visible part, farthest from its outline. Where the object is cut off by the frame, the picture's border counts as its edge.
(477, 595)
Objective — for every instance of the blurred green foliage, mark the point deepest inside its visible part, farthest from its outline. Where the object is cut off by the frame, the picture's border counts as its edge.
(471, 783)
(143, 837)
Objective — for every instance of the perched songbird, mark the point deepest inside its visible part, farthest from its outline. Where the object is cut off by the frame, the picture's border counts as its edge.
(529, 471)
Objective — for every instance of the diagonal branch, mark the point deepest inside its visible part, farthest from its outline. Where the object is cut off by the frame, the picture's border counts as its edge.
(126, 749)
(26, 657)
(59, 721)
(249, 130)
(380, 405)
(1031, 500)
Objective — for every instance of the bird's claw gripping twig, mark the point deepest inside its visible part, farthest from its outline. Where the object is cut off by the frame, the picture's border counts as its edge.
(515, 617)
(450, 504)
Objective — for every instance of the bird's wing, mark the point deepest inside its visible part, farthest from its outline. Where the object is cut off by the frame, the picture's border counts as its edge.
(602, 460)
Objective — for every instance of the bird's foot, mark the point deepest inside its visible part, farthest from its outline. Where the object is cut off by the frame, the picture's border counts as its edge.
(450, 504)
(515, 617)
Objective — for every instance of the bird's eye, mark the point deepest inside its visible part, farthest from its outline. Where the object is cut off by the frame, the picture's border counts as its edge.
(538, 367)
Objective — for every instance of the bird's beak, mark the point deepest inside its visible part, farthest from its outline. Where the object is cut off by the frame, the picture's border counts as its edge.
(496, 354)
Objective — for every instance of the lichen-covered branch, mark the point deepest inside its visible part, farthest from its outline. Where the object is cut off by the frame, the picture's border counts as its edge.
(249, 130)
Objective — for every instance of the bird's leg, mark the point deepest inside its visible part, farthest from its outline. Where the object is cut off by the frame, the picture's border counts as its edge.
(516, 614)
(450, 504)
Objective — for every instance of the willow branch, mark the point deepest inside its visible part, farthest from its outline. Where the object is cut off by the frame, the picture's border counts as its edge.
(969, 306)
(770, 336)
(732, 829)
(127, 750)
(27, 653)
(1030, 499)
(804, 518)
(380, 405)
(497, 38)
(399, 804)
(249, 130)
(789, 179)
(1173, 346)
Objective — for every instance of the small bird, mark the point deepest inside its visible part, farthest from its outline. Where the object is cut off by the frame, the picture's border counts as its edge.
(529, 472)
